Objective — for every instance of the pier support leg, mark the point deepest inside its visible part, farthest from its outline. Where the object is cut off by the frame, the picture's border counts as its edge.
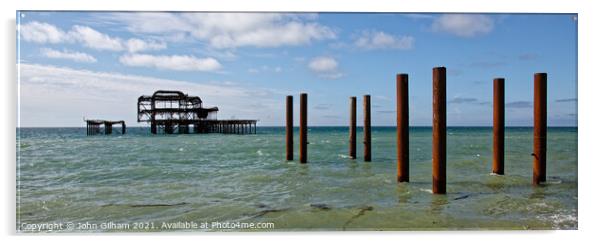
(183, 129)
(403, 125)
(108, 128)
(540, 127)
(289, 127)
(498, 126)
(153, 128)
(439, 130)
(303, 129)
(168, 128)
(352, 127)
(367, 130)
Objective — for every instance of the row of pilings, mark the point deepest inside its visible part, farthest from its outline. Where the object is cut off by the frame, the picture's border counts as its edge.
(439, 129)
(303, 129)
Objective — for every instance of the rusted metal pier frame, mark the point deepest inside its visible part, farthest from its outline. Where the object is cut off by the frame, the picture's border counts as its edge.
(439, 130)
(232, 126)
(93, 126)
(403, 125)
(303, 129)
(175, 111)
(540, 127)
(352, 127)
(498, 126)
(367, 130)
(289, 128)
(239, 126)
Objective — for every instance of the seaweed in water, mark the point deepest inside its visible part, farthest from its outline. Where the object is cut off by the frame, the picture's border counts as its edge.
(462, 197)
(359, 214)
(156, 205)
(320, 206)
(146, 205)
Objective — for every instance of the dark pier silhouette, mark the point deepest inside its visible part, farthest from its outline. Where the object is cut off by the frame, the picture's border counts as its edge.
(173, 111)
(93, 126)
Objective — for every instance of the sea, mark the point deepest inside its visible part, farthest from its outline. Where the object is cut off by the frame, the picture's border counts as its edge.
(138, 182)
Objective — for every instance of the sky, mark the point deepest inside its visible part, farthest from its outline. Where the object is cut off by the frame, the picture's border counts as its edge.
(75, 65)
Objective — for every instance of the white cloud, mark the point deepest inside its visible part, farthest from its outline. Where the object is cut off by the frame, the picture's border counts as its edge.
(42, 33)
(463, 25)
(381, 40)
(325, 67)
(135, 45)
(231, 30)
(265, 68)
(66, 54)
(46, 33)
(323, 64)
(174, 62)
(59, 96)
(94, 39)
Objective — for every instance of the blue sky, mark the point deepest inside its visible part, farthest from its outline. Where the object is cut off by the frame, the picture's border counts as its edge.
(96, 64)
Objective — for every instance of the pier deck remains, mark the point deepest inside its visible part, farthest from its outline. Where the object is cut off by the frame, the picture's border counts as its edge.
(173, 111)
(93, 126)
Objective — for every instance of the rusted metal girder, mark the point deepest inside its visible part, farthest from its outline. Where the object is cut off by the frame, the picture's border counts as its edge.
(352, 127)
(289, 127)
(303, 129)
(439, 130)
(540, 127)
(403, 125)
(498, 126)
(367, 130)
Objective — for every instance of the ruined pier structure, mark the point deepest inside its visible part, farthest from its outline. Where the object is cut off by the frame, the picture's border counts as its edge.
(93, 126)
(174, 111)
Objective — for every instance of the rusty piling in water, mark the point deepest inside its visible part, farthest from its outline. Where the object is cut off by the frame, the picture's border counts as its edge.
(439, 130)
(540, 127)
(403, 125)
(367, 130)
(303, 129)
(498, 126)
(352, 127)
(289, 127)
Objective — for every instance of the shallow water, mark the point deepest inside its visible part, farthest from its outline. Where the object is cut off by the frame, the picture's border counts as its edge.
(64, 176)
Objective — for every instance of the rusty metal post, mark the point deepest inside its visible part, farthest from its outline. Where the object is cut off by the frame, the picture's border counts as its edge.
(367, 130)
(303, 129)
(352, 127)
(540, 127)
(498, 126)
(403, 127)
(439, 130)
(289, 127)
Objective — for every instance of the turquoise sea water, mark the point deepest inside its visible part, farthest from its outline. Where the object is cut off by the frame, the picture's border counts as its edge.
(64, 176)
